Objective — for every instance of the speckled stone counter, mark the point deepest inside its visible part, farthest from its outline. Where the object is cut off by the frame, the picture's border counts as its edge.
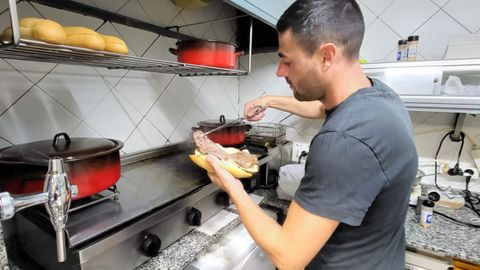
(444, 237)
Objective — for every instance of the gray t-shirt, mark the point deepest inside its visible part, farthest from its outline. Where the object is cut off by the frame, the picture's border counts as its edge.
(359, 171)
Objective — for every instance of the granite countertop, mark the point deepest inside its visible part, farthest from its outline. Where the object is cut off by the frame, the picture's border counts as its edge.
(444, 237)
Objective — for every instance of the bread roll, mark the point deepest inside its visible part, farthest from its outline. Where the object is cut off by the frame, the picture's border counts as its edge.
(89, 41)
(115, 45)
(84, 37)
(39, 29)
(28, 22)
(229, 165)
(48, 31)
(75, 30)
(6, 36)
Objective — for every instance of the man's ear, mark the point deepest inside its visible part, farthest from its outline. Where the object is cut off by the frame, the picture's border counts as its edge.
(327, 54)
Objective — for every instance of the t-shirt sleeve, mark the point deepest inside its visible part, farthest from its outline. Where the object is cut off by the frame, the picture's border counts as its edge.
(342, 178)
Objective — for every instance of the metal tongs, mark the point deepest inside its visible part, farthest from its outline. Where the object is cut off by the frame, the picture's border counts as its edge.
(256, 110)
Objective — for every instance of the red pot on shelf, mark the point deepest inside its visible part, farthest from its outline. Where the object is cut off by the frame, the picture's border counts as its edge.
(207, 53)
(93, 164)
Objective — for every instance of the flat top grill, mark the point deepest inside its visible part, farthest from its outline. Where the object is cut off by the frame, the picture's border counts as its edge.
(144, 186)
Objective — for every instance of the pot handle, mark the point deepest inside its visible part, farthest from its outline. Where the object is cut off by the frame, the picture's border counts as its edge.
(239, 53)
(56, 138)
(173, 51)
(222, 119)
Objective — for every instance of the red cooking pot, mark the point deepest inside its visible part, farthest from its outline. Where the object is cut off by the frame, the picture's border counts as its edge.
(233, 135)
(207, 53)
(93, 164)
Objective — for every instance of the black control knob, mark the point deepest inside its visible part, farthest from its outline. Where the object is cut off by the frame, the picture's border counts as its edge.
(151, 245)
(223, 199)
(194, 217)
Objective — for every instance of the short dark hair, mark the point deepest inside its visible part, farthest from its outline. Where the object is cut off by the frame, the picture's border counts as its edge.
(314, 22)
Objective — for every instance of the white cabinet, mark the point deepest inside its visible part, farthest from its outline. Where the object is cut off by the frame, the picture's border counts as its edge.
(268, 11)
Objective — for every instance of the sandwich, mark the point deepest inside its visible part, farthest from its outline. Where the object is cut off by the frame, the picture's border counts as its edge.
(240, 163)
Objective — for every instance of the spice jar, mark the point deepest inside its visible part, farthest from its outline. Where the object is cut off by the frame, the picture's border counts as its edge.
(426, 215)
(402, 50)
(412, 45)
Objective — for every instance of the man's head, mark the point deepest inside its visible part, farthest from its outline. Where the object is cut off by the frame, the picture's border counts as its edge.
(313, 35)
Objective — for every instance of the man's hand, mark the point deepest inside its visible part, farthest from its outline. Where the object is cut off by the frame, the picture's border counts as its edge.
(222, 177)
(248, 111)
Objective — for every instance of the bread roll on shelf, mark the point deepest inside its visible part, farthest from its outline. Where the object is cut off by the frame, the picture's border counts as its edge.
(84, 37)
(48, 31)
(38, 29)
(115, 44)
(76, 36)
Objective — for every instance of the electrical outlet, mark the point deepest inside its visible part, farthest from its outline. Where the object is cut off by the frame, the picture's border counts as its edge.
(297, 149)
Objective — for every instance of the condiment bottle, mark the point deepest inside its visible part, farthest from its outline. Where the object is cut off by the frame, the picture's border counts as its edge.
(426, 215)
(402, 50)
(412, 45)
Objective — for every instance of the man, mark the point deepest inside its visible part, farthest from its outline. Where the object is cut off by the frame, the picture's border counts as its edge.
(349, 210)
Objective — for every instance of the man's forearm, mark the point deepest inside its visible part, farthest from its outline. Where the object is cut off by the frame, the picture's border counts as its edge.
(307, 109)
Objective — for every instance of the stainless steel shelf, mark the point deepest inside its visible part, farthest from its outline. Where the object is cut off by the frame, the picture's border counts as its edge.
(461, 63)
(450, 104)
(33, 50)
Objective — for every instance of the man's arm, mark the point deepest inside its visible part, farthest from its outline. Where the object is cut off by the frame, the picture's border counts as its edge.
(291, 246)
(307, 109)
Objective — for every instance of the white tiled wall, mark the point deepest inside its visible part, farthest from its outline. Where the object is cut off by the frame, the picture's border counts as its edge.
(142, 109)
(387, 21)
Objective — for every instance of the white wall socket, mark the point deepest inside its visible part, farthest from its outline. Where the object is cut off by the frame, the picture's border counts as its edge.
(297, 149)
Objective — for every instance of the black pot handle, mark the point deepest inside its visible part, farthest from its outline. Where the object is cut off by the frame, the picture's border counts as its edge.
(57, 137)
(222, 119)
(173, 51)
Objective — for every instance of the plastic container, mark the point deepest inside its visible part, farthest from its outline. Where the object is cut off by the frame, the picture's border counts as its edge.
(426, 214)
(402, 50)
(412, 48)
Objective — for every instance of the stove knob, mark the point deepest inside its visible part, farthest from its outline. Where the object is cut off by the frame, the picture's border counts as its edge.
(194, 217)
(223, 199)
(151, 245)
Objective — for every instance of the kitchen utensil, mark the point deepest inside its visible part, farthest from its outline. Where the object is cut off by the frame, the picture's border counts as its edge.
(93, 164)
(256, 110)
(207, 53)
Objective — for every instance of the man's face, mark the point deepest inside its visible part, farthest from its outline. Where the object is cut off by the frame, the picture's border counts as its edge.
(301, 71)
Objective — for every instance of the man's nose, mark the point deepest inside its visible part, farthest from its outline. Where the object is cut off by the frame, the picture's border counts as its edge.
(281, 72)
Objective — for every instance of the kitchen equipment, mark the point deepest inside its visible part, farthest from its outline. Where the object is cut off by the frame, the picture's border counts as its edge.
(416, 188)
(56, 196)
(267, 134)
(163, 196)
(191, 4)
(207, 53)
(225, 131)
(93, 164)
(270, 160)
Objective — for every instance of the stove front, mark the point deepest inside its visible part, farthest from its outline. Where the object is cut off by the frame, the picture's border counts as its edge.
(162, 196)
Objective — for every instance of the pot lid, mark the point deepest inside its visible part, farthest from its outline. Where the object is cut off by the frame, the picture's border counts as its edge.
(70, 149)
(218, 122)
